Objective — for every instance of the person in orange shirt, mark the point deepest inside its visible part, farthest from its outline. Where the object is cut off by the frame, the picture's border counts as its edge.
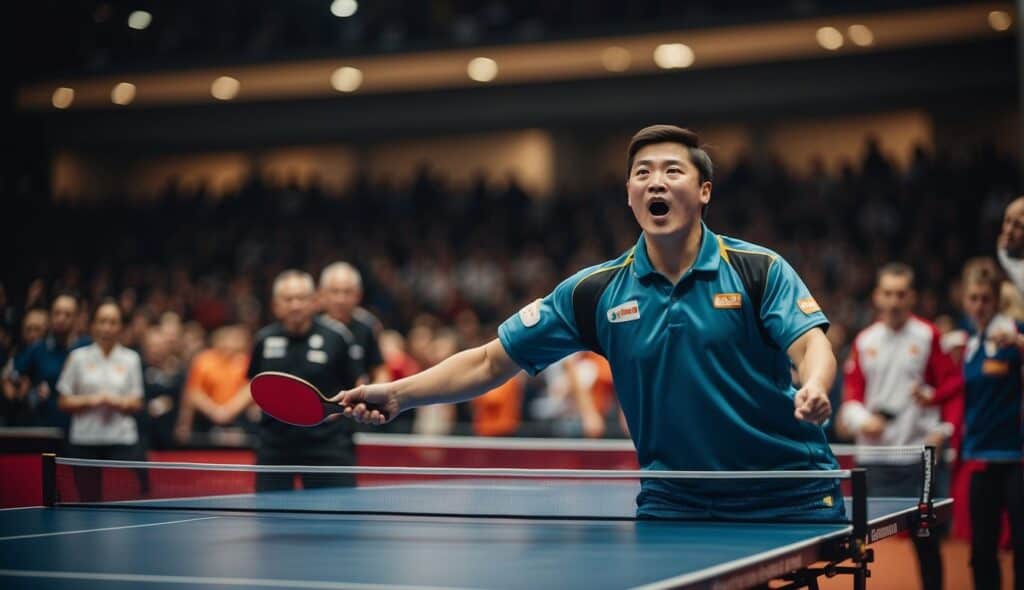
(498, 412)
(217, 383)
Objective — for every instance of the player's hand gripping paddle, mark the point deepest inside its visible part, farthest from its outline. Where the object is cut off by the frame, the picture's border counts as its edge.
(290, 399)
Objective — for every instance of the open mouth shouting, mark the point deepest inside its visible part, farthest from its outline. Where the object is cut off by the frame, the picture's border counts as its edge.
(657, 207)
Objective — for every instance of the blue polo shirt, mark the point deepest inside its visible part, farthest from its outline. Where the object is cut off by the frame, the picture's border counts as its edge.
(43, 361)
(701, 386)
(993, 412)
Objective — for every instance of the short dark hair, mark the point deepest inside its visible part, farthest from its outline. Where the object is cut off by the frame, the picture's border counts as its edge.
(672, 134)
(107, 301)
(985, 271)
(896, 269)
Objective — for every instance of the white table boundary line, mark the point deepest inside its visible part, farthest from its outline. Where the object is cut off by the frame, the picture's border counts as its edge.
(111, 528)
(192, 580)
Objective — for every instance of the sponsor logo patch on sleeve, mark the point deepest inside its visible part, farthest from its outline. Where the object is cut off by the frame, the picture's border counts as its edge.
(530, 315)
(728, 301)
(808, 305)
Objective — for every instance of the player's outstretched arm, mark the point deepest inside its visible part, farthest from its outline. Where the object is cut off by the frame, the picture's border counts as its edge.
(460, 377)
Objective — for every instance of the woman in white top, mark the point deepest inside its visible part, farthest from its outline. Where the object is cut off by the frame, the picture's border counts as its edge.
(101, 387)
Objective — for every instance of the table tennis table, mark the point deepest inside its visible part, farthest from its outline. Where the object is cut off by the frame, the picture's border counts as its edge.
(267, 541)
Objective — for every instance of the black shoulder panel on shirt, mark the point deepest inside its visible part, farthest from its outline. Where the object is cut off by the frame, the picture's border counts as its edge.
(752, 268)
(585, 297)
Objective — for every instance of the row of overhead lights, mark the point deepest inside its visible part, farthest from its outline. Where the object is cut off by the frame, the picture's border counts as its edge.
(484, 69)
(348, 79)
(140, 20)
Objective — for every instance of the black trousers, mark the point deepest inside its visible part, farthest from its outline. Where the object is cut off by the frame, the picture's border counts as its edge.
(266, 482)
(999, 486)
(89, 480)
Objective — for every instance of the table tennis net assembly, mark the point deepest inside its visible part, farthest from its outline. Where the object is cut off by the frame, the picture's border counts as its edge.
(419, 489)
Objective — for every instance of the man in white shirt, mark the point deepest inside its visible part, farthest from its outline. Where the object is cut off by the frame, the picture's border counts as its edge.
(895, 377)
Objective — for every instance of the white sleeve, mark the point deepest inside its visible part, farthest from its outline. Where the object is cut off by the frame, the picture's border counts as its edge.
(67, 384)
(1014, 268)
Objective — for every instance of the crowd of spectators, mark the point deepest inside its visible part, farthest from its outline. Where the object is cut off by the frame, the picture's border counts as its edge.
(442, 267)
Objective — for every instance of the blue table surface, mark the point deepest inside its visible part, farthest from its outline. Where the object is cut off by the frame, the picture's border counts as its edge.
(117, 547)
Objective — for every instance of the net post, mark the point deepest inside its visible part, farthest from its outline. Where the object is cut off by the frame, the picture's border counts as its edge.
(859, 489)
(49, 463)
(925, 507)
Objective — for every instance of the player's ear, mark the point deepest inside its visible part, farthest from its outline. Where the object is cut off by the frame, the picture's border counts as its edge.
(705, 192)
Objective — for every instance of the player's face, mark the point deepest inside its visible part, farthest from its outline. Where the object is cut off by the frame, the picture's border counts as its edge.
(980, 302)
(106, 326)
(339, 295)
(664, 188)
(894, 299)
(62, 314)
(294, 304)
(1011, 236)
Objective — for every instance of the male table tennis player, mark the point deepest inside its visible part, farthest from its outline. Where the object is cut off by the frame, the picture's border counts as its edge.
(303, 345)
(701, 360)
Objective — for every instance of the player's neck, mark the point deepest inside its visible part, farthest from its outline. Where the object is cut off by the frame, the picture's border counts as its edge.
(673, 255)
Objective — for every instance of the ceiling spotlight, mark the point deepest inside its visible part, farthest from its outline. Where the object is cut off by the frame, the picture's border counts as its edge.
(63, 97)
(347, 79)
(830, 38)
(225, 88)
(344, 8)
(861, 35)
(999, 20)
(673, 55)
(616, 59)
(139, 20)
(482, 69)
(123, 93)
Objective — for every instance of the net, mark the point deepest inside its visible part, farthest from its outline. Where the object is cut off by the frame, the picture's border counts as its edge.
(558, 489)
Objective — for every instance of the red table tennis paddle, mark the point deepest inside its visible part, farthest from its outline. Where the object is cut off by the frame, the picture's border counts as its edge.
(290, 399)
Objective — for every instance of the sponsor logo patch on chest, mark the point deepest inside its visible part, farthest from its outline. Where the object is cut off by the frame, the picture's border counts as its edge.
(728, 301)
(995, 368)
(626, 312)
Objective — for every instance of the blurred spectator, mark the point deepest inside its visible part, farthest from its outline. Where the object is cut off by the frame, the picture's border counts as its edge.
(101, 387)
(216, 392)
(399, 364)
(36, 371)
(164, 382)
(993, 444)
(341, 292)
(593, 391)
(13, 410)
(301, 344)
(895, 369)
(440, 418)
(498, 412)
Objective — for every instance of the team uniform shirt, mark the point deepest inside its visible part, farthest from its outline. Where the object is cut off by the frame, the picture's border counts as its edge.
(87, 372)
(320, 356)
(993, 410)
(700, 387)
(884, 367)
